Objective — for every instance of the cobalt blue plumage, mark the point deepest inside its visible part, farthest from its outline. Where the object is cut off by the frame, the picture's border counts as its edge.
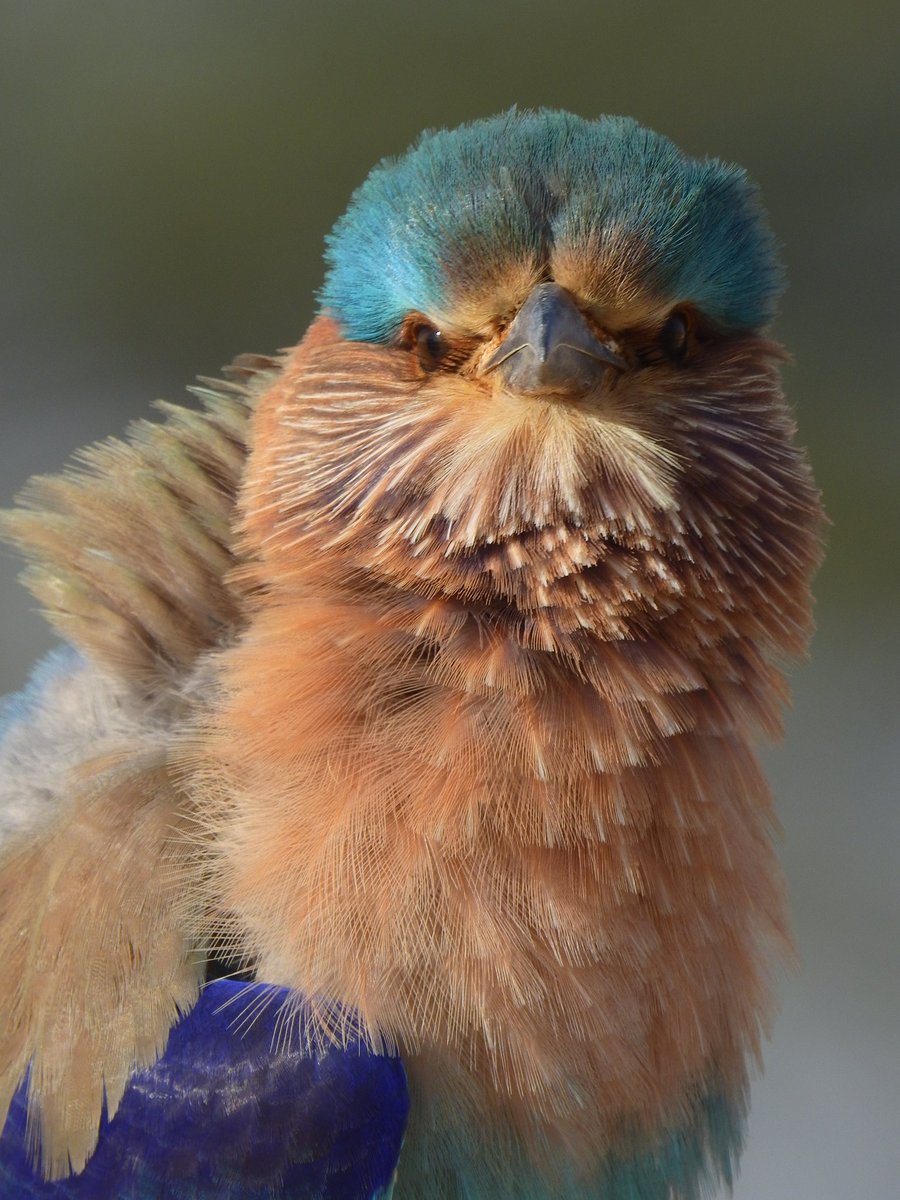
(238, 1111)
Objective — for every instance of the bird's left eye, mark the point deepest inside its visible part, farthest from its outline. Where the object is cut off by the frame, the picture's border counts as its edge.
(431, 346)
(674, 337)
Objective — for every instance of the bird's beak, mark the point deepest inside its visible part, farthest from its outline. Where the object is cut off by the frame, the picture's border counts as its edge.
(549, 348)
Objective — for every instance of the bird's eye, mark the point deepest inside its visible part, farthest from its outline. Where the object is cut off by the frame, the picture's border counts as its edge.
(431, 346)
(675, 336)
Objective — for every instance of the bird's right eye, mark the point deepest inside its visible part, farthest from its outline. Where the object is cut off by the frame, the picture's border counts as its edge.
(430, 344)
(432, 348)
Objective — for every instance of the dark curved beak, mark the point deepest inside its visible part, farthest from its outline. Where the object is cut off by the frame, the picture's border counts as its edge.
(549, 347)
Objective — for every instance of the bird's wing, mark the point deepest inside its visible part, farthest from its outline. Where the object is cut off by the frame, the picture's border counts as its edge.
(129, 549)
(239, 1106)
(128, 553)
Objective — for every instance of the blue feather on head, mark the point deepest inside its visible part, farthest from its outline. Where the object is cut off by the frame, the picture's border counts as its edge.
(532, 187)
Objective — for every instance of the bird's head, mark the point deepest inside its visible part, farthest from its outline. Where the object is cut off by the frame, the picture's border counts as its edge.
(540, 369)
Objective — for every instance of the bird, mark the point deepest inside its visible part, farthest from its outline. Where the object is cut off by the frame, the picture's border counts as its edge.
(413, 684)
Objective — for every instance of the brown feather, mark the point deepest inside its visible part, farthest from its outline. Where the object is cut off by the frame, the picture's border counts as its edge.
(482, 766)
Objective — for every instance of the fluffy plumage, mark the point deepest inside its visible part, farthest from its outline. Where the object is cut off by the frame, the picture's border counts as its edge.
(129, 555)
(463, 737)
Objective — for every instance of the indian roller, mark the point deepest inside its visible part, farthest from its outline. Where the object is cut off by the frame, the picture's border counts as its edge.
(391, 821)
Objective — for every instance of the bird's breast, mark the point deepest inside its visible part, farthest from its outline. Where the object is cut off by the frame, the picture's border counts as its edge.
(539, 861)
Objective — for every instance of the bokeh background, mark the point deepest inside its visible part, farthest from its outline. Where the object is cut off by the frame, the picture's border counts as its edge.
(169, 171)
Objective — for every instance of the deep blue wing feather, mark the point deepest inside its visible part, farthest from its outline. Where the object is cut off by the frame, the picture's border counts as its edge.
(231, 1112)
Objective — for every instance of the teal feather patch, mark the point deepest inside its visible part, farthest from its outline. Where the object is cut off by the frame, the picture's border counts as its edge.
(689, 1163)
(518, 186)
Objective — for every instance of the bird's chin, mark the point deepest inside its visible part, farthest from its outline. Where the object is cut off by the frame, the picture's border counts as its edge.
(577, 404)
(552, 510)
(556, 467)
(556, 460)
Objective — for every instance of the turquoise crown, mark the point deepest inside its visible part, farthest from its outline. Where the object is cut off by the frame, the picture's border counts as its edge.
(521, 184)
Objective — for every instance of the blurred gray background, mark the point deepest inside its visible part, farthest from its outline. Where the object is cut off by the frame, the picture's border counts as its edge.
(169, 171)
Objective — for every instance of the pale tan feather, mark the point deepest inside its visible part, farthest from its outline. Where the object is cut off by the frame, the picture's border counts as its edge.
(129, 549)
(129, 555)
(96, 965)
